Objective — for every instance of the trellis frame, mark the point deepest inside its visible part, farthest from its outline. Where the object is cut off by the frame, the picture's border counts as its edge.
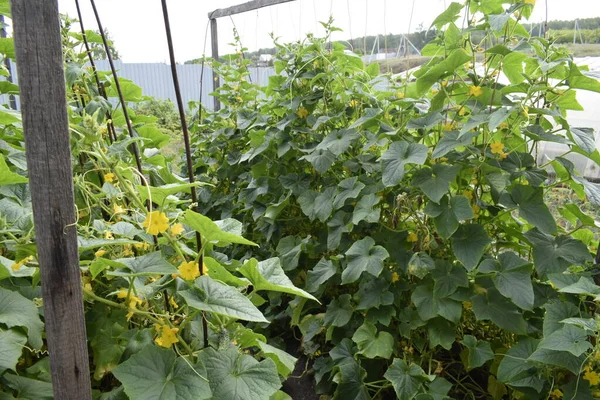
(214, 32)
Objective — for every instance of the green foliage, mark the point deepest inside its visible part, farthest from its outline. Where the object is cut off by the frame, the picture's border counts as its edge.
(413, 208)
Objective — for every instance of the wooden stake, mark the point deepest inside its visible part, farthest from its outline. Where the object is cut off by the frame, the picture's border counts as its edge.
(46, 128)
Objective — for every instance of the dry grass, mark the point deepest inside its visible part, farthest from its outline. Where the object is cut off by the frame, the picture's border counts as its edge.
(584, 50)
(397, 65)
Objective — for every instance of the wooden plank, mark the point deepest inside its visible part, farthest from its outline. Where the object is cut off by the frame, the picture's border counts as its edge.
(214, 42)
(46, 128)
(244, 7)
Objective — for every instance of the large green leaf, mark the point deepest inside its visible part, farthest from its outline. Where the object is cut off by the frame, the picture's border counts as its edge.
(317, 205)
(158, 194)
(362, 256)
(584, 138)
(371, 343)
(212, 296)
(27, 388)
(268, 275)
(349, 188)
(218, 272)
(320, 274)
(339, 311)
(11, 347)
(158, 374)
(351, 385)
(284, 361)
(498, 309)
(365, 209)
(568, 338)
(235, 376)
(478, 351)
(340, 223)
(556, 312)
(532, 207)
(146, 265)
(517, 370)
(407, 380)
(211, 231)
(448, 214)
(512, 278)
(448, 278)
(441, 332)
(429, 306)
(469, 243)
(435, 182)
(397, 156)
(556, 254)
(16, 310)
(7, 177)
(450, 141)
(338, 141)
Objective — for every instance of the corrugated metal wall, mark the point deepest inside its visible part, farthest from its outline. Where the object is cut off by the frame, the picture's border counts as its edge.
(156, 81)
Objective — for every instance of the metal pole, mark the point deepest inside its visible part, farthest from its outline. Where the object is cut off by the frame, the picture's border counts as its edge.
(214, 38)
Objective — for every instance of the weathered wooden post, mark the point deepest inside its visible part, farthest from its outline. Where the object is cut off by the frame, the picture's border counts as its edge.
(45, 123)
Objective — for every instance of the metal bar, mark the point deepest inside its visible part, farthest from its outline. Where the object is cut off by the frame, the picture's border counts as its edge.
(214, 39)
(38, 47)
(244, 7)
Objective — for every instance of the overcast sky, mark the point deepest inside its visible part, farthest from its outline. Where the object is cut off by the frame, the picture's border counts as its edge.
(138, 29)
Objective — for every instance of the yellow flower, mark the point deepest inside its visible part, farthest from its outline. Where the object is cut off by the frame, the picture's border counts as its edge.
(532, 2)
(176, 229)
(100, 253)
(449, 126)
(204, 269)
(127, 251)
(497, 148)
(591, 376)
(117, 209)
(17, 266)
(476, 210)
(172, 302)
(444, 83)
(412, 237)
(469, 65)
(189, 270)
(353, 103)
(88, 286)
(435, 91)
(556, 394)
(462, 111)
(142, 246)
(503, 155)
(475, 91)
(166, 336)
(468, 194)
(108, 235)
(399, 95)
(122, 293)
(110, 177)
(156, 222)
(395, 277)
(302, 112)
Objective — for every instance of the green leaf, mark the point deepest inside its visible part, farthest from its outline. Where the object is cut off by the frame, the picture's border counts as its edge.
(154, 135)
(158, 374)
(268, 275)
(338, 142)
(556, 254)
(512, 278)
(439, 69)
(420, 264)
(479, 352)
(28, 389)
(146, 265)
(320, 274)
(517, 370)
(289, 249)
(339, 311)
(441, 332)
(584, 285)
(212, 296)
(16, 310)
(131, 91)
(407, 380)
(340, 223)
(321, 159)
(450, 141)
(532, 207)
(568, 338)
(429, 306)
(94, 243)
(451, 14)
(349, 188)
(584, 138)
(427, 121)
(284, 361)
(362, 256)
(11, 347)
(317, 205)
(562, 359)
(557, 311)
(448, 278)
(469, 243)
(235, 376)
(435, 182)
(211, 231)
(220, 273)
(372, 344)
(448, 214)
(351, 385)
(496, 308)
(397, 156)
(365, 209)
(7, 177)
(159, 194)
(368, 115)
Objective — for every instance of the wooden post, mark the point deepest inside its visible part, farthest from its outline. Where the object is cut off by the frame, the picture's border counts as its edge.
(46, 129)
(214, 40)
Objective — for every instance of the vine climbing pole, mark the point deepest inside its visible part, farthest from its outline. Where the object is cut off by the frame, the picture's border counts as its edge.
(46, 129)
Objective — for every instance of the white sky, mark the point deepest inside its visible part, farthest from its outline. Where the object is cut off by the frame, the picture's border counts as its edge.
(138, 29)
